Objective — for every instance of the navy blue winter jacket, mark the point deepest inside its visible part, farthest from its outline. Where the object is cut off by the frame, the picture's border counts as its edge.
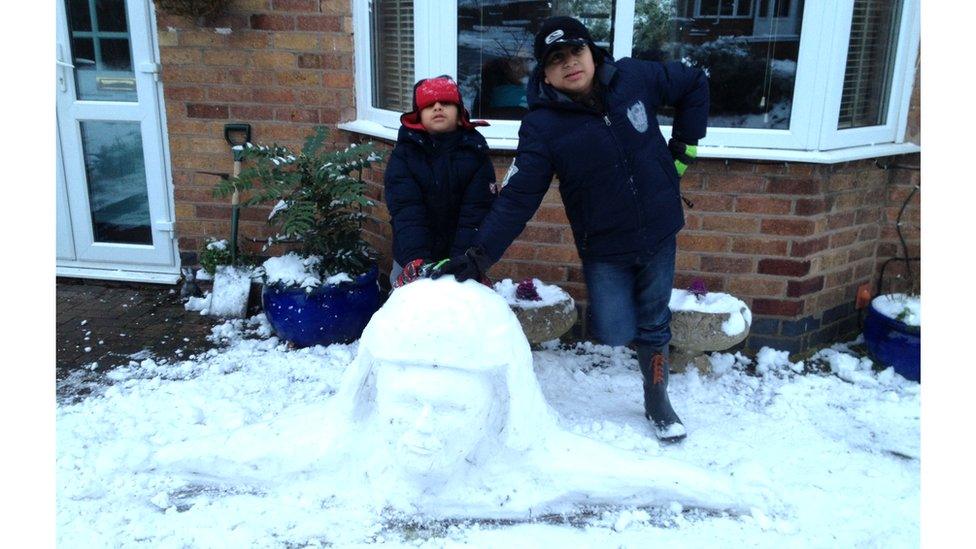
(438, 189)
(616, 175)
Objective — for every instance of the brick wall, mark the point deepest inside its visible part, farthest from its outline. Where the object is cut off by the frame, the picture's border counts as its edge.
(793, 240)
(284, 66)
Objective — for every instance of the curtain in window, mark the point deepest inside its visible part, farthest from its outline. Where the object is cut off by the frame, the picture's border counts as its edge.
(391, 31)
(870, 63)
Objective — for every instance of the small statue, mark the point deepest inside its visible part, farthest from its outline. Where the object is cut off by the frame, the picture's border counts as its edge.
(189, 288)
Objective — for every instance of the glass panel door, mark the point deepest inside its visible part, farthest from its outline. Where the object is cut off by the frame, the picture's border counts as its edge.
(119, 202)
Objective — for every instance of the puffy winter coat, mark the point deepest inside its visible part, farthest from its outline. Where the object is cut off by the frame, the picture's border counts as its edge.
(616, 175)
(438, 189)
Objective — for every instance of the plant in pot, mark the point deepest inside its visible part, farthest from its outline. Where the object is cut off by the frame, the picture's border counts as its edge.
(325, 289)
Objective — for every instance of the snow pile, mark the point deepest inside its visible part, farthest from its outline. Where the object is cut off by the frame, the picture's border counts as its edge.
(902, 307)
(740, 317)
(217, 245)
(844, 456)
(770, 360)
(550, 294)
(292, 269)
(231, 288)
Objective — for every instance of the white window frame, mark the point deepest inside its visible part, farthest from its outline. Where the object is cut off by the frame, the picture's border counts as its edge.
(811, 137)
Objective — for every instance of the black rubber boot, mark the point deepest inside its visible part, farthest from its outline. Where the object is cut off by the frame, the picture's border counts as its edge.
(654, 366)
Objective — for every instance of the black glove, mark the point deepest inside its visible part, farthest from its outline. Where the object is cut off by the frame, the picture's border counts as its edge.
(471, 265)
(684, 155)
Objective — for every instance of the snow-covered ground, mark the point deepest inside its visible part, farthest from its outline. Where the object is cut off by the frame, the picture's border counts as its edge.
(843, 454)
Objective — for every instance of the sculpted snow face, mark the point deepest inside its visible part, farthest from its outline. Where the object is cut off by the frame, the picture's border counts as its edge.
(437, 416)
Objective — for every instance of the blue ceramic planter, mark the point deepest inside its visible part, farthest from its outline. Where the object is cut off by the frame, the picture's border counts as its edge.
(326, 315)
(894, 343)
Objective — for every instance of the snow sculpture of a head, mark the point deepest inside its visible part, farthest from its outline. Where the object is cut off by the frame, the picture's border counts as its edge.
(444, 372)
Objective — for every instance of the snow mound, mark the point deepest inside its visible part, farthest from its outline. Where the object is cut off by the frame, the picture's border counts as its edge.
(550, 294)
(740, 317)
(902, 307)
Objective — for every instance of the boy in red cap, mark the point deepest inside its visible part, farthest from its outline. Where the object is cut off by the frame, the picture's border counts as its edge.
(439, 182)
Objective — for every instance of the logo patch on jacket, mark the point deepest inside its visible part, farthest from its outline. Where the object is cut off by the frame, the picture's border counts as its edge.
(512, 170)
(638, 116)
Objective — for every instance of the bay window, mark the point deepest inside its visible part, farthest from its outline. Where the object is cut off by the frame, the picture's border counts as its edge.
(789, 80)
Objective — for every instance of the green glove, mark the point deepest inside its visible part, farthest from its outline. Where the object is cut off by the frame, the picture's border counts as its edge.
(684, 155)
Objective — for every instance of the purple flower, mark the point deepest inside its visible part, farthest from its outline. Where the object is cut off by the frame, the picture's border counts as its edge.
(526, 291)
(698, 288)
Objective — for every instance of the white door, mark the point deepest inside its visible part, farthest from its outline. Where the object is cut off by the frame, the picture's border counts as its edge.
(777, 18)
(114, 200)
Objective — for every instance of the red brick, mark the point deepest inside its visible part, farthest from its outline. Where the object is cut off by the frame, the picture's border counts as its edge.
(869, 232)
(805, 248)
(811, 206)
(183, 93)
(550, 213)
(544, 272)
(753, 286)
(544, 234)
(297, 115)
(731, 224)
(783, 267)
(304, 6)
(776, 307)
(556, 254)
(724, 264)
(800, 288)
(574, 274)
(839, 220)
(788, 227)
(758, 246)
(714, 283)
(762, 204)
(702, 242)
(230, 94)
(734, 183)
(198, 110)
(868, 215)
(861, 251)
(266, 21)
(685, 261)
(793, 186)
(520, 250)
(803, 169)
(273, 95)
(839, 278)
(338, 80)
(843, 238)
(253, 113)
(705, 202)
(321, 23)
(310, 61)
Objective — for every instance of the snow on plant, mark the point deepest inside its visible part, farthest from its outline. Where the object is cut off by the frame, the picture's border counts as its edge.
(214, 253)
(902, 307)
(318, 202)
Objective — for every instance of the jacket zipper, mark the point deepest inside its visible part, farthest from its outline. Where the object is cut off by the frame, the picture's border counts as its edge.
(630, 178)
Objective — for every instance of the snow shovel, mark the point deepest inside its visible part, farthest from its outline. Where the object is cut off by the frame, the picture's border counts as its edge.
(237, 149)
(231, 285)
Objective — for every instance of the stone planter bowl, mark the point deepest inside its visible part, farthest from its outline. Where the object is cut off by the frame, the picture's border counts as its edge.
(694, 333)
(547, 322)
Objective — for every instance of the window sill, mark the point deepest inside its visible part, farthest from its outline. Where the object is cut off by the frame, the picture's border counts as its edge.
(374, 129)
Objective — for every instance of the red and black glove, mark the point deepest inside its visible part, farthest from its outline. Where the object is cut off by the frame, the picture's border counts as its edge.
(411, 272)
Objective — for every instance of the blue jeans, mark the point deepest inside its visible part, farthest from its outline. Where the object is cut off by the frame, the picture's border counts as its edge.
(629, 301)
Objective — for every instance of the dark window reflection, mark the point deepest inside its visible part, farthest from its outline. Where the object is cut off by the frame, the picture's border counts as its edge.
(749, 55)
(115, 55)
(79, 16)
(111, 15)
(495, 39)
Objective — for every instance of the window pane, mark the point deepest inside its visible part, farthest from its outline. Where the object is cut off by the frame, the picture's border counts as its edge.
(391, 32)
(101, 56)
(116, 181)
(750, 62)
(495, 39)
(870, 63)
